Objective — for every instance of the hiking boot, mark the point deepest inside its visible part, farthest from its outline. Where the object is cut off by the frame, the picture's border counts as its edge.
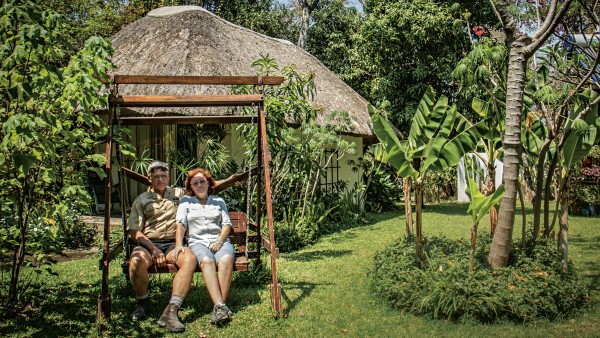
(140, 312)
(220, 314)
(170, 320)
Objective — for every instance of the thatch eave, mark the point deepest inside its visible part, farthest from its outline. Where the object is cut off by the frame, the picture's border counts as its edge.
(188, 40)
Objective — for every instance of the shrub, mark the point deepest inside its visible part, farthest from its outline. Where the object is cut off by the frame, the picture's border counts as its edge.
(440, 185)
(72, 232)
(531, 287)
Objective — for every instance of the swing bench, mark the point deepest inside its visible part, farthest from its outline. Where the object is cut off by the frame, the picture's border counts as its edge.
(240, 235)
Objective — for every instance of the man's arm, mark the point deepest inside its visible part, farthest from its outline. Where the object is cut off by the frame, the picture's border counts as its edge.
(158, 257)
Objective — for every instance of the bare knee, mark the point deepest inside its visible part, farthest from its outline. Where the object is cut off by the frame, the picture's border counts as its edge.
(226, 261)
(207, 262)
(187, 261)
(137, 265)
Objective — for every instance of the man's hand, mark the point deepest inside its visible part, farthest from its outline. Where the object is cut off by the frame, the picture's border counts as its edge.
(158, 257)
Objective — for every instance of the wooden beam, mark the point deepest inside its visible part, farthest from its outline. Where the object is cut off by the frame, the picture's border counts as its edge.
(136, 177)
(197, 80)
(163, 120)
(186, 100)
(220, 185)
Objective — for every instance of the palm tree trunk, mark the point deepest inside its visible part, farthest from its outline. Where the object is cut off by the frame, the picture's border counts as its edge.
(502, 239)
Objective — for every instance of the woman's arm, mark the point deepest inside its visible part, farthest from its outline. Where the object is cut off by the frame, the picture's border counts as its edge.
(181, 226)
(179, 234)
(225, 228)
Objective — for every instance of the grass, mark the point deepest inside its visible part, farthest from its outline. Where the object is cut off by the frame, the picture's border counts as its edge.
(326, 293)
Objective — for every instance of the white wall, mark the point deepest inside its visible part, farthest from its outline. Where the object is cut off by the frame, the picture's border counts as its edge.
(462, 183)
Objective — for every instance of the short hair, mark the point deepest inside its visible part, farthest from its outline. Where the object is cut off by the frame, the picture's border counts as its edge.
(155, 166)
(188, 180)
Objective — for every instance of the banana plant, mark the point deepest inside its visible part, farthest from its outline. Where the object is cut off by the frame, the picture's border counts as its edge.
(479, 206)
(439, 137)
(581, 133)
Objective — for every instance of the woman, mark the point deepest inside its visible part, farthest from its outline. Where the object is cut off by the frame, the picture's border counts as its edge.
(205, 219)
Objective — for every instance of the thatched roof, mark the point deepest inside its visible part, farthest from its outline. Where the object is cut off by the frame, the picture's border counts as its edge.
(188, 40)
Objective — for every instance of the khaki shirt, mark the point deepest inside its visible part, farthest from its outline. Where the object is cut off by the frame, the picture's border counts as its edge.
(154, 215)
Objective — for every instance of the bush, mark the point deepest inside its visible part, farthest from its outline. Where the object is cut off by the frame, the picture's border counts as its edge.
(440, 185)
(531, 287)
(72, 232)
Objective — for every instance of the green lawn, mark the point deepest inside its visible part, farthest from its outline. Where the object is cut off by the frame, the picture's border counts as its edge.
(325, 293)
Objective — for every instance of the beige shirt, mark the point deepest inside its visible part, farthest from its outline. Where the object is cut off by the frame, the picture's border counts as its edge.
(154, 215)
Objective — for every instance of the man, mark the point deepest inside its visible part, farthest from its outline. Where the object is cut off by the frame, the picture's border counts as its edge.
(152, 229)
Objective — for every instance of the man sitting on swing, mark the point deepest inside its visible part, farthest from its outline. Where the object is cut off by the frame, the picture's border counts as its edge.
(153, 230)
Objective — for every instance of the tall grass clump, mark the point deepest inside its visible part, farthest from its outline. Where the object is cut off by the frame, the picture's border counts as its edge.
(531, 287)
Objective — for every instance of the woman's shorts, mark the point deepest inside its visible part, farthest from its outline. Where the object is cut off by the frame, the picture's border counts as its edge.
(201, 251)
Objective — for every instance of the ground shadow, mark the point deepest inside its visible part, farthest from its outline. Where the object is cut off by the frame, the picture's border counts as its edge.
(308, 256)
(305, 290)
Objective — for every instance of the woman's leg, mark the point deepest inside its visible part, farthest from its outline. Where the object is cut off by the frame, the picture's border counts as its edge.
(209, 273)
(224, 258)
(225, 274)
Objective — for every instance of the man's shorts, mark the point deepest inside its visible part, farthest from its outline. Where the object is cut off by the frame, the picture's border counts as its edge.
(163, 245)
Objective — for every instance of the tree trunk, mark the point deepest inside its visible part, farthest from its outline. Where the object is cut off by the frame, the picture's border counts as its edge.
(524, 220)
(563, 223)
(407, 187)
(501, 242)
(419, 212)
(306, 7)
(539, 187)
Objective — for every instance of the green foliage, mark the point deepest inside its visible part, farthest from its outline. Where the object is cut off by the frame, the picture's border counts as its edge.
(382, 190)
(439, 136)
(299, 155)
(401, 49)
(531, 287)
(202, 149)
(331, 34)
(48, 127)
(583, 130)
(440, 185)
(479, 204)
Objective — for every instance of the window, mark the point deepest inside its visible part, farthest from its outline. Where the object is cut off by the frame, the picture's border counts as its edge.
(332, 170)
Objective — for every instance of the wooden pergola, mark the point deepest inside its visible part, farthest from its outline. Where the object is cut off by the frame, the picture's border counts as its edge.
(117, 101)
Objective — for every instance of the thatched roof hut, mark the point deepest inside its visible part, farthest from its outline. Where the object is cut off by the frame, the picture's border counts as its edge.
(188, 40)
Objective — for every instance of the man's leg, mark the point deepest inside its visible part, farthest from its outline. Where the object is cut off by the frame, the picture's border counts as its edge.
(138, 274)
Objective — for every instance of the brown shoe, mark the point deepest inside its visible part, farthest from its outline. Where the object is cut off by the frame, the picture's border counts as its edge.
(170, 320)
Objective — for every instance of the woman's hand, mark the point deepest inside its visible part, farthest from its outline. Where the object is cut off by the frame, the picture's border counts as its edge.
(179, 249)
(215, 246)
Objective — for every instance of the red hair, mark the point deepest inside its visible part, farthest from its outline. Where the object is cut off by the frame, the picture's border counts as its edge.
(192, 173)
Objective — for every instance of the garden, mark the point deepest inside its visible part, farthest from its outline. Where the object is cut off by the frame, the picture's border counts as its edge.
(326, 292)
(453, 90)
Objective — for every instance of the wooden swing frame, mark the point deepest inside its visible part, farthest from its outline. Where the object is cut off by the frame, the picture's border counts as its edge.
(117, 101)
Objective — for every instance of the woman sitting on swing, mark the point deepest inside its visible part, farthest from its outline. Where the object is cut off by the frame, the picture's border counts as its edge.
(206, 220)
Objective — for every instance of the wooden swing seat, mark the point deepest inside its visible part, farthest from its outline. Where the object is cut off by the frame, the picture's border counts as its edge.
(237, 236)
